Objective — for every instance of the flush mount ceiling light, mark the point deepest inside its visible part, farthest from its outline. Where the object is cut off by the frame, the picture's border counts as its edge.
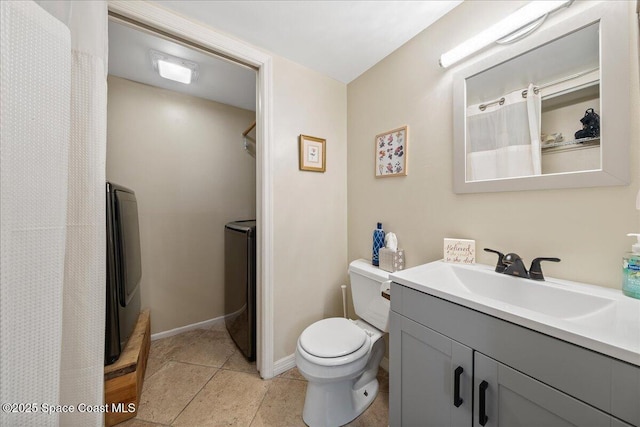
(512, 28)
(174, 68)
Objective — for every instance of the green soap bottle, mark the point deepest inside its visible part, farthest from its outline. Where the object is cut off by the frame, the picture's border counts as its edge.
(631, 270)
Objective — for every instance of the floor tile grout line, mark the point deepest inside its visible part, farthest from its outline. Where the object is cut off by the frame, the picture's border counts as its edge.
(149, 421)
(292, 379)
(193, 364)
(163, 363)
(167, 360)
(217, 369)
(262, 401)
(194, 396)
(209, 366)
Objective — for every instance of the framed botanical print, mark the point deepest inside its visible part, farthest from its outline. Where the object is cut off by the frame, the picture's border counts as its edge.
(391, 153)
(312, 153)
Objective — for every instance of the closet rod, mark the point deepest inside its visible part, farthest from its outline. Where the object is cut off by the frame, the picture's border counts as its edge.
(500, 101)
(246, 132)
(561, 80)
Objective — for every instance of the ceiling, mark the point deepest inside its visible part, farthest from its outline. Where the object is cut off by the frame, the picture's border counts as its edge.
(341, 39)
(218, 80)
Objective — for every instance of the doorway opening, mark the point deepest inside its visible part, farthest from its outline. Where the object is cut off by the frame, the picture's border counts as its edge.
(174, 31)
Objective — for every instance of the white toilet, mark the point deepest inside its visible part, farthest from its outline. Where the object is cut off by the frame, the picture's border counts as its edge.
(340, 357)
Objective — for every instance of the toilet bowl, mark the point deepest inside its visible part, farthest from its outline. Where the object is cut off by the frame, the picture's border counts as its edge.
(340, 357)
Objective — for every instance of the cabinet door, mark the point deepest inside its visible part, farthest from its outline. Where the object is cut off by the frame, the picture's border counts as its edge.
(506, 397)
(617, 423)
(430, 378)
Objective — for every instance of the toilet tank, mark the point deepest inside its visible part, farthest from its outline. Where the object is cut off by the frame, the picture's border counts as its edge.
(370, 305)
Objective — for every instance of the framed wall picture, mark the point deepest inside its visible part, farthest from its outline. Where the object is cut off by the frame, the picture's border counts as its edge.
(391, 153)
(312, 153)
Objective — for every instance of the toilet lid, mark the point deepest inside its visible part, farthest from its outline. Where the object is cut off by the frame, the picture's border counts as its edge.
(334, 337)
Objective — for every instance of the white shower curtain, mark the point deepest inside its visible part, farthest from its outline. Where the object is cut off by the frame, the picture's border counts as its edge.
(503, 141)
(52, 216)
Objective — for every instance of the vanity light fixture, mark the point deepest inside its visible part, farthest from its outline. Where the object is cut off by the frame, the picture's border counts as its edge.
(515, 26)
(174, 68)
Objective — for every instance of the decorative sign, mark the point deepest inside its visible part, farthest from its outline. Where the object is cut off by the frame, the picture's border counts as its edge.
(460, 251)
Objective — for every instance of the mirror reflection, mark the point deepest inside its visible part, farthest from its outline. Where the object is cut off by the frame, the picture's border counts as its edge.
(538, 113)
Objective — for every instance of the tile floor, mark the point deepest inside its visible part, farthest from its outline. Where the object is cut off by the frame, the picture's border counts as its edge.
(199, 379)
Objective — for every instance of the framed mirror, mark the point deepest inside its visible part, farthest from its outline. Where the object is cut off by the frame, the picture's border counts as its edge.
(551, 111)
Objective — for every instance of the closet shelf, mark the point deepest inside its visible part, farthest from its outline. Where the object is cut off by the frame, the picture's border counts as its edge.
(582, 141)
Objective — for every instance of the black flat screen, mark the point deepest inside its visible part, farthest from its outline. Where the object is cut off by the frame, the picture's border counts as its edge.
(128, 236)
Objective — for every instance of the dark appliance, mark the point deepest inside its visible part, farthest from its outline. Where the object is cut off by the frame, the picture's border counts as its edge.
(240, 284)
(123, 269)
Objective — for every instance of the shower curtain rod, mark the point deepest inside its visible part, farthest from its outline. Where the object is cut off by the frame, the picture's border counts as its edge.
(483, 107)
(536, 90)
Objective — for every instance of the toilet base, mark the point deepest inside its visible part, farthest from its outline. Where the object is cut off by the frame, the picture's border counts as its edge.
(336, 404)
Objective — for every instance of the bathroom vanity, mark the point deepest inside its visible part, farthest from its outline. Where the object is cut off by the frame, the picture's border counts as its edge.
(471, 347)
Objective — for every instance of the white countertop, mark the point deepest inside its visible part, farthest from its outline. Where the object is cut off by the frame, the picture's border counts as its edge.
(613, 329)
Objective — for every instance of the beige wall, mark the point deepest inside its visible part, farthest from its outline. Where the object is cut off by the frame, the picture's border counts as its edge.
(310, 208)
(584, 227)
(183, 156)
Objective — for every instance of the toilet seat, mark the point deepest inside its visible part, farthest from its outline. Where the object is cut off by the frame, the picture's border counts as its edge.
(333, 337)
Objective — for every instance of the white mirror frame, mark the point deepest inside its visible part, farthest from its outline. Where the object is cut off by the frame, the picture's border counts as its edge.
(614, 104)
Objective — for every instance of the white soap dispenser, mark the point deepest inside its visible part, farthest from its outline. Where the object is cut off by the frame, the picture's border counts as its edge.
(631, 270)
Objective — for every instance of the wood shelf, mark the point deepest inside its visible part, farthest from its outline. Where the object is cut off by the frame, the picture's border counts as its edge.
(123, 379)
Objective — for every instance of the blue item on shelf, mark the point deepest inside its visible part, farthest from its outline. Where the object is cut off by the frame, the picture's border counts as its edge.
(378, 242)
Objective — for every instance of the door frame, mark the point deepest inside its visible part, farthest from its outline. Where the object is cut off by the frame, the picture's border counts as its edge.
(169, 23)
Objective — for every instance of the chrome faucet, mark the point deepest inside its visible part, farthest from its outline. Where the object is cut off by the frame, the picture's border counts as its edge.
(513, 265)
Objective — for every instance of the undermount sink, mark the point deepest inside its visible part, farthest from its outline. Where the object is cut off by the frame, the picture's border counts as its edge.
(543, 297)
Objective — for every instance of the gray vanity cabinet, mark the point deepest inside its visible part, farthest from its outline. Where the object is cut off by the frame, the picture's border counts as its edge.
(434, 394)
(516, 400)
(519, 377)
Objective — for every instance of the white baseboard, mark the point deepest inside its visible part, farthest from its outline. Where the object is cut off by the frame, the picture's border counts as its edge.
(284, 364)
(181, 329)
